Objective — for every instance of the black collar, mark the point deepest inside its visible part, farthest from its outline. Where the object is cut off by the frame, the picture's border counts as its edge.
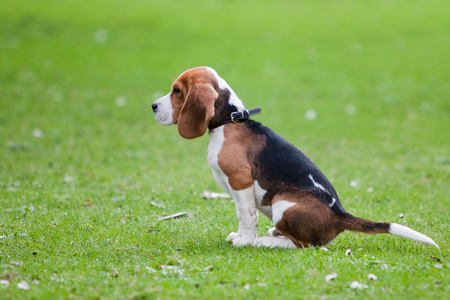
(236, 116)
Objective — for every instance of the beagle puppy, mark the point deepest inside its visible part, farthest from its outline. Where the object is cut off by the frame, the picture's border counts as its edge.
(261, 170)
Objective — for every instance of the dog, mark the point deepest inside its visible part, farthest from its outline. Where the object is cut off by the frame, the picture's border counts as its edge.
(261, 170)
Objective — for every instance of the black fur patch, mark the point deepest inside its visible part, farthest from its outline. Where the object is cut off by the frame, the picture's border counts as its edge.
(284, 167)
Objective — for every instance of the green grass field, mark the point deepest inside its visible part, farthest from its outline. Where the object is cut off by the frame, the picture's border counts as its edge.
(362, 87)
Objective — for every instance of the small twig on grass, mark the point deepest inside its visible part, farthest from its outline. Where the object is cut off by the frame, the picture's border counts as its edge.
(174, 216)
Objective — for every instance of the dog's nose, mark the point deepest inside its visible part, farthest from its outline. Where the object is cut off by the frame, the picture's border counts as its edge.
(154, 106)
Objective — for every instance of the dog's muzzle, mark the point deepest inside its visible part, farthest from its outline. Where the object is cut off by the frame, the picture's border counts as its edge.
(162, 108)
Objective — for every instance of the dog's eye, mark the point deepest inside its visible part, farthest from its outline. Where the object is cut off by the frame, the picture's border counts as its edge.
(176, 91)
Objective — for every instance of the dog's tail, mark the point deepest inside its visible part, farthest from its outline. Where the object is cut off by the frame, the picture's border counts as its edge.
(352, 223)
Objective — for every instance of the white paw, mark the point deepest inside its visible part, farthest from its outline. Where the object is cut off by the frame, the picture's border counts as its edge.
(271, 242)
(232, 236)
(243, 241)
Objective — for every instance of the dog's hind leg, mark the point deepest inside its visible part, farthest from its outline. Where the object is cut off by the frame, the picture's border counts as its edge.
(304, 219)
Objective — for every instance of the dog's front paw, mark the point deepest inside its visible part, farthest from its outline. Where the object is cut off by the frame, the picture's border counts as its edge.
(239, 240)
(243, 241)
(232, 236)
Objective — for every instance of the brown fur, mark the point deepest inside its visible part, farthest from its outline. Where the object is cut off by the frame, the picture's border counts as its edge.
(235, 157)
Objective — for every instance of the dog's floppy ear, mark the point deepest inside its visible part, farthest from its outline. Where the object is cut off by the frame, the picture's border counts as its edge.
(197, 111)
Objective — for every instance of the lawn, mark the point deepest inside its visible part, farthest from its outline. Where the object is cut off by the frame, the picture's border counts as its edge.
(362, 87)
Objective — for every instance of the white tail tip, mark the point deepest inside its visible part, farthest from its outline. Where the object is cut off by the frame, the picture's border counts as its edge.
(400, 230)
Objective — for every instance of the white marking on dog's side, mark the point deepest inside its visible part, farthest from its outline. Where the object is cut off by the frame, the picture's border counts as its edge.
(163, 113)
(272, 241)
(224, 85)
(259, 195)
(400, 230)
(317, 185)
(278, 210)
(332, 203)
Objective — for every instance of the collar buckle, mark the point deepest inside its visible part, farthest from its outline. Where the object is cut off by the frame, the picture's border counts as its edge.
(237, 116)
(233, 117)
(240, 115)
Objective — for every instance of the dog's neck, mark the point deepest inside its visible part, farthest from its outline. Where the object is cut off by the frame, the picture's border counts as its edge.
(222, 109)
(226, 112)
(237, 116)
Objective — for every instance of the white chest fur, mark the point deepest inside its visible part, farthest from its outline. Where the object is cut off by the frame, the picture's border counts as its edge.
(216, 140)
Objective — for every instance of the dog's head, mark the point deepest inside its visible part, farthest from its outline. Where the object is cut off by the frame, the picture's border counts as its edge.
(191, 102)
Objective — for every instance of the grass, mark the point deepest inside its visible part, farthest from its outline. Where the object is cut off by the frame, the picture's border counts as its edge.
(85, 170)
